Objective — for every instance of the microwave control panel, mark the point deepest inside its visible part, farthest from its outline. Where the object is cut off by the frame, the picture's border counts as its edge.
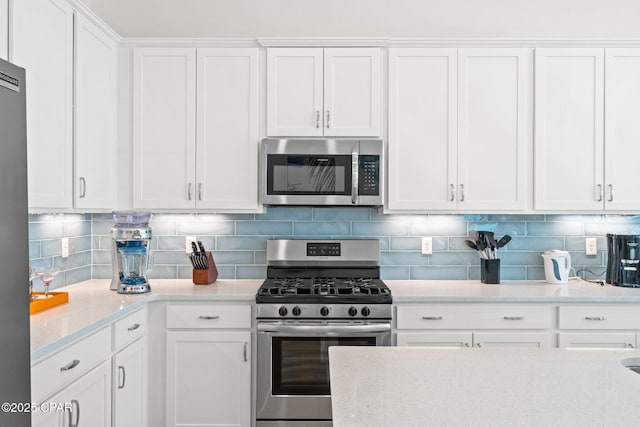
(369, 171)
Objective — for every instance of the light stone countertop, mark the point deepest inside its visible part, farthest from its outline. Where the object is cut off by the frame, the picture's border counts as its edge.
(92, 305)
(508, 291)
(482, 387)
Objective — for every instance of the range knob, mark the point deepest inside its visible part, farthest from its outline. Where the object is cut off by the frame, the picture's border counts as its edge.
(296, 311)
(282, 311)
(324, 311)
(366, 311)
(353, 311)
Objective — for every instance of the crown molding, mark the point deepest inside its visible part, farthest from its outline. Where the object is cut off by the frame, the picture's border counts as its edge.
(187, 42)
(323, 41)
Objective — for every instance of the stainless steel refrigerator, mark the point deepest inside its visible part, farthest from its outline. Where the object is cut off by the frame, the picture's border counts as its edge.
(15, 375)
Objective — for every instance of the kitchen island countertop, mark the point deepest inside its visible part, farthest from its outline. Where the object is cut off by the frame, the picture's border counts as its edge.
(492, 387)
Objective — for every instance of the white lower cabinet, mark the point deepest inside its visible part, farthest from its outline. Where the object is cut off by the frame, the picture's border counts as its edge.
(208, 379)
(130, 386)
(598, 326)
(474, 339)
(84, 403)
(474, 325)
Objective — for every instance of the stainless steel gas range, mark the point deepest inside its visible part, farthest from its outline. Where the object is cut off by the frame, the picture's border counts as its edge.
(317, 294)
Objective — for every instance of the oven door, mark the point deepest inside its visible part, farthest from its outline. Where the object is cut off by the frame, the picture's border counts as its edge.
(293, 365)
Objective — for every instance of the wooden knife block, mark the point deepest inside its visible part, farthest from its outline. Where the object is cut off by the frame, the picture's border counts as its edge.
(205, 277)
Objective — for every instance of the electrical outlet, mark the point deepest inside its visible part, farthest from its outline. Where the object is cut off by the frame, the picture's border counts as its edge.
(188, 240)
(427, 246)
(590, 246)
(65, 247)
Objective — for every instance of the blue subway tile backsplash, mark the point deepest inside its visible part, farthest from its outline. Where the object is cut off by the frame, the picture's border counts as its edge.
(238, 241)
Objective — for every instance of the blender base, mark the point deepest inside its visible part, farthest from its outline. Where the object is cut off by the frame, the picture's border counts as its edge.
(133, 289)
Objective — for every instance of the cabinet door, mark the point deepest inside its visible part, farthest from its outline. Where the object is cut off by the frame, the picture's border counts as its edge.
(164, 127)
(84, 403)
(294, 92)
(4, 29)
(597, 340)
(569, 90)
(622, 128)
(208, 378)
(42, 43)
(434, 339)
(422, 128)
(95, 123)
(512, 339)
(130, 386)
(352, 92)
(227, 135)
(492, 128)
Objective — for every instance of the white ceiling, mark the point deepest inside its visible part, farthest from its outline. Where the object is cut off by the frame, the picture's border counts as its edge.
(373, 18)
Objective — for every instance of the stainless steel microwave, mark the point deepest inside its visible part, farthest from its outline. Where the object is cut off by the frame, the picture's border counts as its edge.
(322, 172)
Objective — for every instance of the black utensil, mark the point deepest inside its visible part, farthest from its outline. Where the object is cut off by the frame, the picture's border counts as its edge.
(503, 241)
(203, 256)
(201, 246)
(471, 244)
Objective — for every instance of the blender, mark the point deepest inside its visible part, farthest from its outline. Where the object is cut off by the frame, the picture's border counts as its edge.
(130, 253)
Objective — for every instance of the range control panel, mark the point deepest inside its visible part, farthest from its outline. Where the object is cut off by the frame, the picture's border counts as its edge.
(323, 249)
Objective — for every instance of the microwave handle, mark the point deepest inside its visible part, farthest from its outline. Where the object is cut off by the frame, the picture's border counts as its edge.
(354, 177)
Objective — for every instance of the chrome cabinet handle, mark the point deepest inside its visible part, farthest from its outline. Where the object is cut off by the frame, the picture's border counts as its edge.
(328, 119)
(317, 119)
(354, 177)
(611, 192)
(189, 191)
(478, 345)
(462, 192)
(70, 365)
(123, 376)
(77, 405)
(513, 317)
(199, 191)
(133, 327)
(208, 317)
(467, 344)
(453, 193)
(244, 352)
(600, 318)
(630, 345)
(432, 317)
(599, 192)
(83, 187)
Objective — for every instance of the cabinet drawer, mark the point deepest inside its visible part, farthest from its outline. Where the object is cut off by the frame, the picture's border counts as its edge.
(62, 368)
(473, 316)
(129, 329)
(208, 316)
(599, 317)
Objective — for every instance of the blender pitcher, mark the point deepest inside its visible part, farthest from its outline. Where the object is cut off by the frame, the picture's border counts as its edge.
(134, 261)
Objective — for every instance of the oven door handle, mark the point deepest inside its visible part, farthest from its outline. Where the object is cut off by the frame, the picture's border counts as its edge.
(339, 329)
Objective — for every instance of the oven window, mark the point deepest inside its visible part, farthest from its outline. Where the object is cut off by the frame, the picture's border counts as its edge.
(301, 365)
(308, 175)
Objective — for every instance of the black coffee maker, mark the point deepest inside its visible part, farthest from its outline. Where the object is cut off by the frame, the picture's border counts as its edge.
(624, 260)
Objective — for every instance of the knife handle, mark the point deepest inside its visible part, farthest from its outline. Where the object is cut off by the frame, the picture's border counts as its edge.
(194, 247)
(201, 246)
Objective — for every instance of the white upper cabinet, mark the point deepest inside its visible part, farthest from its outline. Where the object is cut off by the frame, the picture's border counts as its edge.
(185, 160)
(164, 123)
(458, 128)
(569, 103)
(492, 128)
(4, 29)
(622, 128)
(227, 129)
(95, 123)
(422, 128)
(42, 43)
(323, 92)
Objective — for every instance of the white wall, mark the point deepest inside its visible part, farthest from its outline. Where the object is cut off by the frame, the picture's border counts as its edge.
(368, 18)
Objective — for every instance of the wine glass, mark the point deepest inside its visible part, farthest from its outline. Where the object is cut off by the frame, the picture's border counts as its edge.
(46, 276)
